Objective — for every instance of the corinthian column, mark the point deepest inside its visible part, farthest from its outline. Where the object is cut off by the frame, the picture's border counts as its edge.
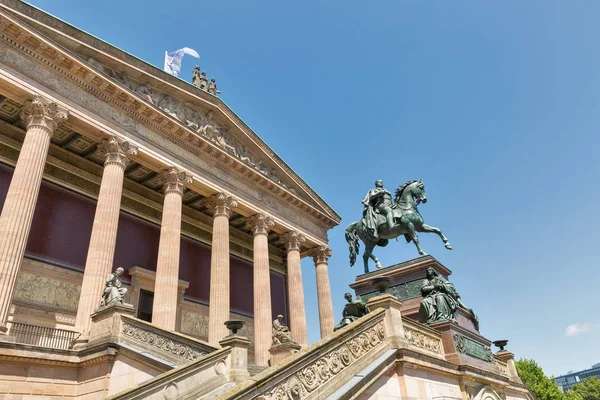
(166, 297)
(101, 251)
(320, 255)
(293, 241)
(40, 117)
(260, 225)
(218, 310)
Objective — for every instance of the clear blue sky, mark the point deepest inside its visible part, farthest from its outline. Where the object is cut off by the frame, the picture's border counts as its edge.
(495, 105)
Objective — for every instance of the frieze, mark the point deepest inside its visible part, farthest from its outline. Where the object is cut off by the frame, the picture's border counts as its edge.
(423, 340)
(195, 119)
(403, 291)
(70, 90)
(311, 377)
(51, 292)
(195, 324)
(161, 342)
(470, 347)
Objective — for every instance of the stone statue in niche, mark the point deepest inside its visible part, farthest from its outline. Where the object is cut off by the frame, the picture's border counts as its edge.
(353, 310)
(113, 292)
(281, 333)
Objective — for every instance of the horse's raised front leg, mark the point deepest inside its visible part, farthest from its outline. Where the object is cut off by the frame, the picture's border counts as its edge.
(413, 234)
(429, 229)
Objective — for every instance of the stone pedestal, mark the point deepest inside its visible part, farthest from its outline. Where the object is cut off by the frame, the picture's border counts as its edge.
(393, 322)
(105, 323)
(406, 280)
(509, 359)
(463, 347)
(239, 356)
(280, 352)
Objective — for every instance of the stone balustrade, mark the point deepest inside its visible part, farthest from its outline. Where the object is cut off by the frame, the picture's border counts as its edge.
(113, 324)
(191, 380)
(423, 338)
(310, 374)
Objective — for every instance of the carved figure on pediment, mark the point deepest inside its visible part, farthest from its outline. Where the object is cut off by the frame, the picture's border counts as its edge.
(196, 76)
(172, 107)
(212, 87)
(281, 332)
(193, 119)
(226, 142)
(145, 92)
(113, 293)
(244, 154)
(96, 64)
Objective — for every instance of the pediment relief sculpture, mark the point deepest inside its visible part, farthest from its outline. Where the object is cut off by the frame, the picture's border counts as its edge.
(195, 119)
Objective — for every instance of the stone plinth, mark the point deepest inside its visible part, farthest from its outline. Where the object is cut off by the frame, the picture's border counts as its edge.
(239, 356)
(463, 347)
(280, 352)
(105, 322)
(406, 280)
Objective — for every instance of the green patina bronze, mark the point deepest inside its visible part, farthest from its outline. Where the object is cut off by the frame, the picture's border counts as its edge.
(402, 291)
(441, 300)
(384, 219)
(470, 347)
(353, 310)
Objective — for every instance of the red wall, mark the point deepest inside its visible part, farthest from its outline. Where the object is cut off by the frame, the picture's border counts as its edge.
(60, 234)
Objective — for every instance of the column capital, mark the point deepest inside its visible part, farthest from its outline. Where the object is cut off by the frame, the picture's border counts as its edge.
(260, 224)
(117, 151)
(43, 113)
(221, 204)
(175, 180)
(293, 240)
(320, 254)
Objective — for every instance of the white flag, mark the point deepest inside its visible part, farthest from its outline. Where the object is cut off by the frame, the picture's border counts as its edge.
(173, 59)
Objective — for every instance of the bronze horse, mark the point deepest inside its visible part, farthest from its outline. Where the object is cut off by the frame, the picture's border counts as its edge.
(408, 221)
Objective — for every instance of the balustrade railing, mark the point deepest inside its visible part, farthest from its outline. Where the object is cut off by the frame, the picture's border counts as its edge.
(42, 336)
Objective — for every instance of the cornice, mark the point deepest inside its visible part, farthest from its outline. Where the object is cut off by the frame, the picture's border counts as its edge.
(103, 87)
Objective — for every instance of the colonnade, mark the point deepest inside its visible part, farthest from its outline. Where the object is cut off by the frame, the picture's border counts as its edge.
(41, 118)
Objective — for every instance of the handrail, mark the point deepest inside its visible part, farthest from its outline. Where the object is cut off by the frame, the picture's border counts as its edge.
(42, 336)
(308, 371)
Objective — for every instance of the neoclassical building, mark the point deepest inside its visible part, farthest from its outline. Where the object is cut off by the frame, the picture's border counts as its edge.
(106, 162)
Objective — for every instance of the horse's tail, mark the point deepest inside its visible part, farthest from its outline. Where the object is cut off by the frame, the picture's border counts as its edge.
(352, 239)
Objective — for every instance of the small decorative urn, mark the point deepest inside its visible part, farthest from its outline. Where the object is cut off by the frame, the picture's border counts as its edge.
(500, 344)
(234, 326)
(381, 283)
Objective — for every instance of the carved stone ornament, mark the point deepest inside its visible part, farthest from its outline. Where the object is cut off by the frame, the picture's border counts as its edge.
(44, 114)
(116, 151)
(162, 343)
(195, 119)
(320, 254)
(260, 224)
(175, 180)
(293, 240)
(221, 204)
(422, 340)
(302, 383)
(46, 291)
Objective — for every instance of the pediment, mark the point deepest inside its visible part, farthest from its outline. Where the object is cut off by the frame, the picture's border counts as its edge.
(201, 113)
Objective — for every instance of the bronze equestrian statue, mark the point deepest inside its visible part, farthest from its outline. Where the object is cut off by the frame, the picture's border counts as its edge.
(384, 219)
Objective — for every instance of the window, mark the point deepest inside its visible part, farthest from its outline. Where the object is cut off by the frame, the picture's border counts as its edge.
(145, 305)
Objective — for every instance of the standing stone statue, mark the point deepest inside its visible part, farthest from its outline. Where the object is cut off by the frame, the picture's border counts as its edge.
(281, 333)
(352, 311)
(377, 201)
(212, 87)
(113, 292)
(196, 76)
(441, 300)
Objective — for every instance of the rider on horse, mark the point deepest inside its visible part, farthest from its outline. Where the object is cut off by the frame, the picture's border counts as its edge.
(377, 201)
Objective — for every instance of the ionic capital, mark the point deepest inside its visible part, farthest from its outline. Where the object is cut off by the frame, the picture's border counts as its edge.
(116, 151)
(221, 204)
(175, 180)
(260, 224)
(293, 240)
(42, 113)
(320, 254)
